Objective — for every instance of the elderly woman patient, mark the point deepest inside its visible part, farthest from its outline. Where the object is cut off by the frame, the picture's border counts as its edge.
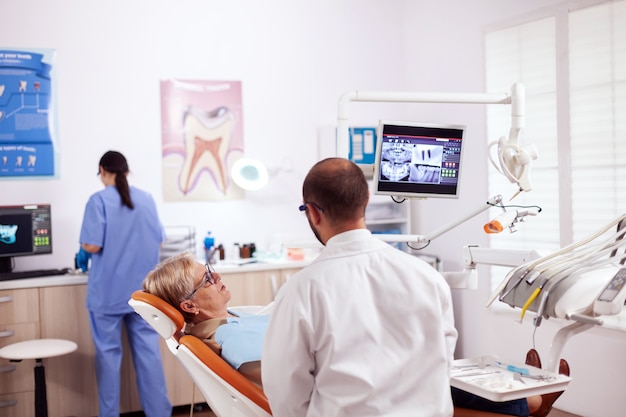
(197, 291)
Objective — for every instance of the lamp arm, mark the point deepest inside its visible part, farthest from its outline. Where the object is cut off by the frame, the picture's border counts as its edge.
(406, 238)
(516, 99)
(493, 201)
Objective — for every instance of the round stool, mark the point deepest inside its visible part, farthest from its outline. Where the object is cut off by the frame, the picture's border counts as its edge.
(38, 349)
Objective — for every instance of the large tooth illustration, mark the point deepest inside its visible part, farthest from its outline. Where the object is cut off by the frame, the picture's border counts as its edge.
(207, 136)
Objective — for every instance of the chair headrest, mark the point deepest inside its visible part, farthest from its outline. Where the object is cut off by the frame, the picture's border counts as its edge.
(162, 316)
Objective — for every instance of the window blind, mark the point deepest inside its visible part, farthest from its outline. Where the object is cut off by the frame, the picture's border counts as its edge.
(597, 71)
(586, 91)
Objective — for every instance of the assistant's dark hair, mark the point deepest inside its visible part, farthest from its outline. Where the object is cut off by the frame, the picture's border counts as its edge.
(115, 163)
(339, 187)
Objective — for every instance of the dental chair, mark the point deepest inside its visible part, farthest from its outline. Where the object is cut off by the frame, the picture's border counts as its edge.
(227, 392)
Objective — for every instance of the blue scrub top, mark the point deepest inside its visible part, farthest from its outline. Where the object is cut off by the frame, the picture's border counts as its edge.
(130, 242)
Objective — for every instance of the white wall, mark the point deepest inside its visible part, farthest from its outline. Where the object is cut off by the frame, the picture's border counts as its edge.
(294, 60)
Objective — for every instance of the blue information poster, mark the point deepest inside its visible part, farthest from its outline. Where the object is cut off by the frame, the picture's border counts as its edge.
(362, 145)
(26, 114)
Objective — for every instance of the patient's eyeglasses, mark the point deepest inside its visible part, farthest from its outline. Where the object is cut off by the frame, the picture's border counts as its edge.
(207, 280)
(304, 206)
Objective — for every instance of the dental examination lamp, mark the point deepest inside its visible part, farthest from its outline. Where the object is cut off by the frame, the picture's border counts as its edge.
(249, 174)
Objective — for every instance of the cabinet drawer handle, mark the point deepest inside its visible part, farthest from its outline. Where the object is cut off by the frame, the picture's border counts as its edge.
(8, 403)
(6, 299)
(8, 368)
(7, 333)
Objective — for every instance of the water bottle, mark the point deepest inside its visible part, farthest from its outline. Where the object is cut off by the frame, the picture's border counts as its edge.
(209, 242)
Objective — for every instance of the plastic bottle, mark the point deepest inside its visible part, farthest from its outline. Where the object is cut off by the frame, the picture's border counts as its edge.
(209, 242)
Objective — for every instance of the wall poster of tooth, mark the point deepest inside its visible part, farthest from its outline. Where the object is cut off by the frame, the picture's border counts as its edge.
(27, 136)
(202, 137)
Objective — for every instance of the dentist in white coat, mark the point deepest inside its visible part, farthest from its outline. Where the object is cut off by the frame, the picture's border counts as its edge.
(365, 329)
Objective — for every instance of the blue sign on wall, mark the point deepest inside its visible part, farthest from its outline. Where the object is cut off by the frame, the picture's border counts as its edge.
(26, 115)
(362, 145)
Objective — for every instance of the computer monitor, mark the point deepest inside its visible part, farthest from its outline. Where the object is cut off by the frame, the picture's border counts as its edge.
(24, 230)
(418, 160)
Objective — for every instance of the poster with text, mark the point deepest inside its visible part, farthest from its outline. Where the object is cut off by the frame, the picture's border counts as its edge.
(27, 138)
(202, 137)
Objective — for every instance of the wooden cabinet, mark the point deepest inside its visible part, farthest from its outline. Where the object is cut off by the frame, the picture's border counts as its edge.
(71, 379)
(72, 387)
(252, 288)
(19, 321)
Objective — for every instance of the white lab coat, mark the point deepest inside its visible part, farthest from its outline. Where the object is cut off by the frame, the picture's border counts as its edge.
(365, 330)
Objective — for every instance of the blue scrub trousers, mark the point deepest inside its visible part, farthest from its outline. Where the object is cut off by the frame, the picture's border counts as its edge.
(106, 330)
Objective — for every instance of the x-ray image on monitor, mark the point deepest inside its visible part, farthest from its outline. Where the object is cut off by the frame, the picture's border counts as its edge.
(396, 161)
(418, 159)
(426, 164)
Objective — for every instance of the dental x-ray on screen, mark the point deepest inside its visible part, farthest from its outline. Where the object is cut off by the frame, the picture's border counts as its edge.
(418, 160)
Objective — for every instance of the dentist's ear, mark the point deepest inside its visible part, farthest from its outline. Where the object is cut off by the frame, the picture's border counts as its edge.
(314, 214)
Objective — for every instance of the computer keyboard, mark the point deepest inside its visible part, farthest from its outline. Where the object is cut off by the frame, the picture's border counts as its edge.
(5, 276)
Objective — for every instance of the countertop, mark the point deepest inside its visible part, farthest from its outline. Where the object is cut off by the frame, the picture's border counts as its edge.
(223, 268)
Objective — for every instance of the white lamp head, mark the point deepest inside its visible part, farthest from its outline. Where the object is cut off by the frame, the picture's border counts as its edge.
(249, 174)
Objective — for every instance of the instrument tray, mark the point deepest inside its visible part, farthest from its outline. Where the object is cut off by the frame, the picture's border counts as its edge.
(499, 380)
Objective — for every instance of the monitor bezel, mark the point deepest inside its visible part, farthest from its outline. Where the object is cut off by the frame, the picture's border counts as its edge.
(416, 190)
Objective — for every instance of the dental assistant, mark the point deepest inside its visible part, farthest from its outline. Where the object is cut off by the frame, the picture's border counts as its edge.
(122, 231)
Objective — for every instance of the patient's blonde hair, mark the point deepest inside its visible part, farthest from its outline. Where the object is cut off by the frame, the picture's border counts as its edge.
(172, 280)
